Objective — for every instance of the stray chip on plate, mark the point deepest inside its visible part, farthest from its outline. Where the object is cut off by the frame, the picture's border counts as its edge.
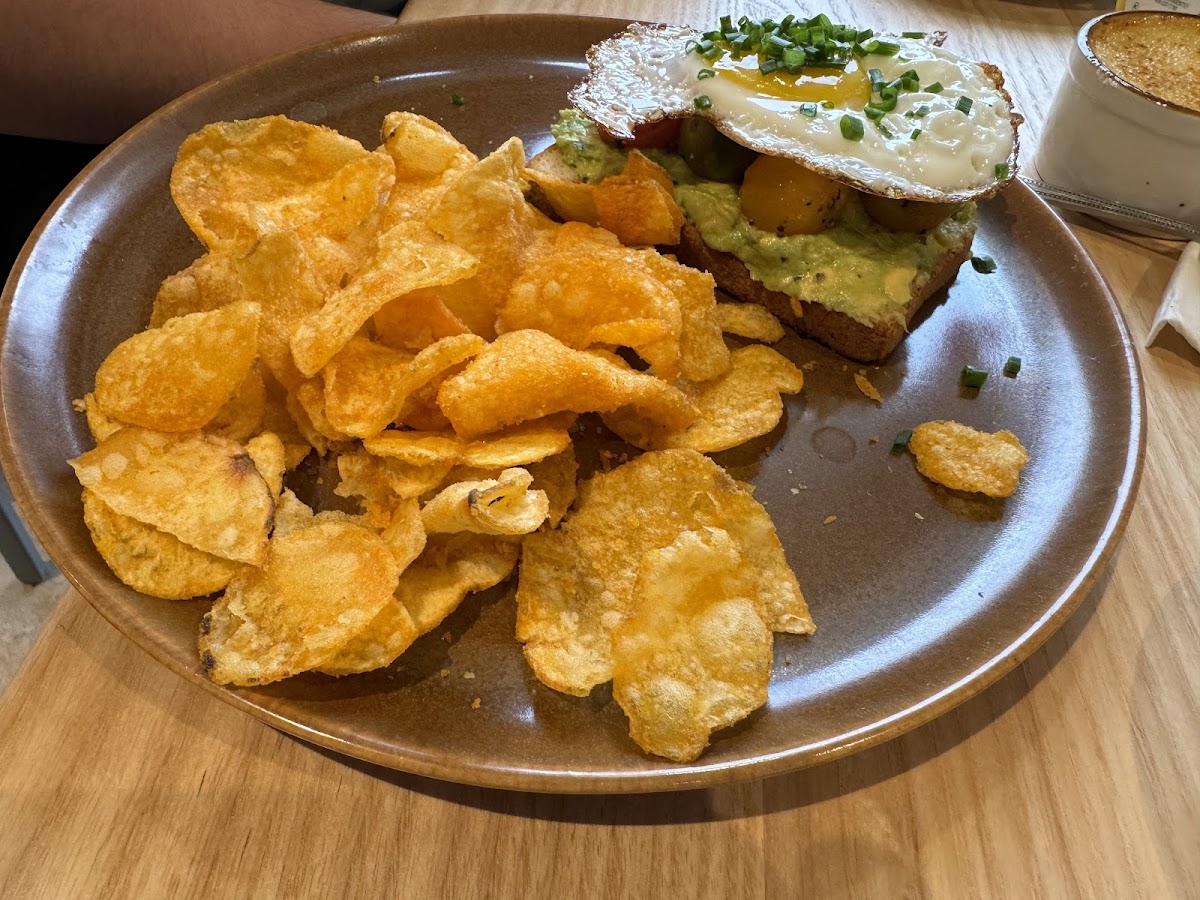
(968, 460)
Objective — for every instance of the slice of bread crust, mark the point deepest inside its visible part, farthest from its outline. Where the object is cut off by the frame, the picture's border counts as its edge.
(805, 315)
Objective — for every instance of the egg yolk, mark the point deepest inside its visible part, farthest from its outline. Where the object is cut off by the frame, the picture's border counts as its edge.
(842, 87)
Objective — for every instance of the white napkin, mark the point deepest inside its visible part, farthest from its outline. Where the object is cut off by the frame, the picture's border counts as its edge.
(1181, 300)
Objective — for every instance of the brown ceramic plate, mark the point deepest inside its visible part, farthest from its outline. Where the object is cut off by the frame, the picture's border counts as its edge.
(922, 596)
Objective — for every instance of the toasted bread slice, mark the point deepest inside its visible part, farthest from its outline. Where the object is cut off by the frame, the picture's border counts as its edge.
(805, 315)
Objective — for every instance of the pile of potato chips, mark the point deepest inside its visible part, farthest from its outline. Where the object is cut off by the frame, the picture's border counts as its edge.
(408, 317)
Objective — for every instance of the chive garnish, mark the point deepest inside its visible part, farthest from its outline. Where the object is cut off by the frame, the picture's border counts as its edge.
(886, 48)
(912, 34)
(984, 265)
(935, 88)
(702, 102)
(918, 112)
(705, 73)
(916, 133)
(458, 99)
(852, 128)
(827, 104)
(872, 112)
(875, 76)
(884, 130)
(1002, 171)
(900, 442)
(1013, 366)
(964, 105)
(807, 109)
(972, 377)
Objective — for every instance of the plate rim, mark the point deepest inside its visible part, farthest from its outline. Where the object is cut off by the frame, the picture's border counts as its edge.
(670, 777)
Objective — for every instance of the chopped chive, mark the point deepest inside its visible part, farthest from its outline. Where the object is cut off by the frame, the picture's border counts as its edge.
(705, 73)
(935, 88)
(884, 130)
(916, 133)
(918, 112)
(900, 441)
(726, 23)
(875, 76)
(793, 57)
(886, 48)
(873, 112)
(964, 105)
(1012, 366)
(807, 109)
(827, 104)
(1002, 171)
(984, 265)
(858, 50)
(864, 35)
(457, 99)
(912, 34)
(972, 377)
(852, 128)
(702, 102)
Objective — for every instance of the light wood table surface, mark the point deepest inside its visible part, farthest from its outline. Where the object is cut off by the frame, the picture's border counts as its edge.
(1076, 775)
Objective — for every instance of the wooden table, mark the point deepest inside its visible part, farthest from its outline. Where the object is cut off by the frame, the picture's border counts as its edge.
(1076, 775)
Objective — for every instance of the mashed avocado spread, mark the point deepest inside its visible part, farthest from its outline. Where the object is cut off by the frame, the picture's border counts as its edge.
(856, 267)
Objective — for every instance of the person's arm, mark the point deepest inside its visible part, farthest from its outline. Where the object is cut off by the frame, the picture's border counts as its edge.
(86, 71)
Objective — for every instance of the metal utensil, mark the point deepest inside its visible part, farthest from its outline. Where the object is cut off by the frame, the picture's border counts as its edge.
(1134, 219)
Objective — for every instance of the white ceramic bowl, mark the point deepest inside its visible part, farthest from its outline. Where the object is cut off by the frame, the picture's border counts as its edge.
(1107, 138)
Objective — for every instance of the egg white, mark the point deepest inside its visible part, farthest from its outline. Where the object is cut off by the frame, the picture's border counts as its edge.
(646, 74)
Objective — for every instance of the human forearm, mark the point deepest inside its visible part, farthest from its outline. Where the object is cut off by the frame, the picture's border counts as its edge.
(85, 70)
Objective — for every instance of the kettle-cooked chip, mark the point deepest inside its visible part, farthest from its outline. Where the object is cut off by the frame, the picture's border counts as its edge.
(202, 489)
(452, 566)
(176, 378)
(408, 256)
(571, 200)
(734, 407)
(749, 320)
(484, 211)
(517, 446)
(577, 582)
(319, 587)
(376, 394)
(693, 656)
(503, 505)
(428, 159)
(527, 375)
(416, 320)
(152, 561)
(384, 480)
(556, 476)
(235, 182)
(590, 290)
(100, 425)
(389, 634)
(638, 206)
(964, 459)
(270, 458)
(242, 415)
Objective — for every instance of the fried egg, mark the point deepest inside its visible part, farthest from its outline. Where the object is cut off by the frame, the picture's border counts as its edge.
(927, 148)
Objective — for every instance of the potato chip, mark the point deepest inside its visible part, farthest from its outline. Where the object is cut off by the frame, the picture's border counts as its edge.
(968, 460)
(303, 422)
(516, 446)
(503, 505)
(869, 390)
(293, 514)
(377, 646)
(270, 458)
(176, 378)
(571, 200)
(208, 283)
(749, 320)
(235, 182)
(202, 489)
(526, 375)
(405, 532)
(100, 425)
(279, 421)
(242, 415)
(361, 383)
(319, 587)
(416, 320)
(384, 480)
(638, 206)
(735, 407)
(152, 561)
(693, 656)
(556, 476)
(702, 351)
(590, 290)
(309, 396)
(485, 213)
(378, 386)
(452, 566)
(577, 582)
(409, 256)
(427, 159)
